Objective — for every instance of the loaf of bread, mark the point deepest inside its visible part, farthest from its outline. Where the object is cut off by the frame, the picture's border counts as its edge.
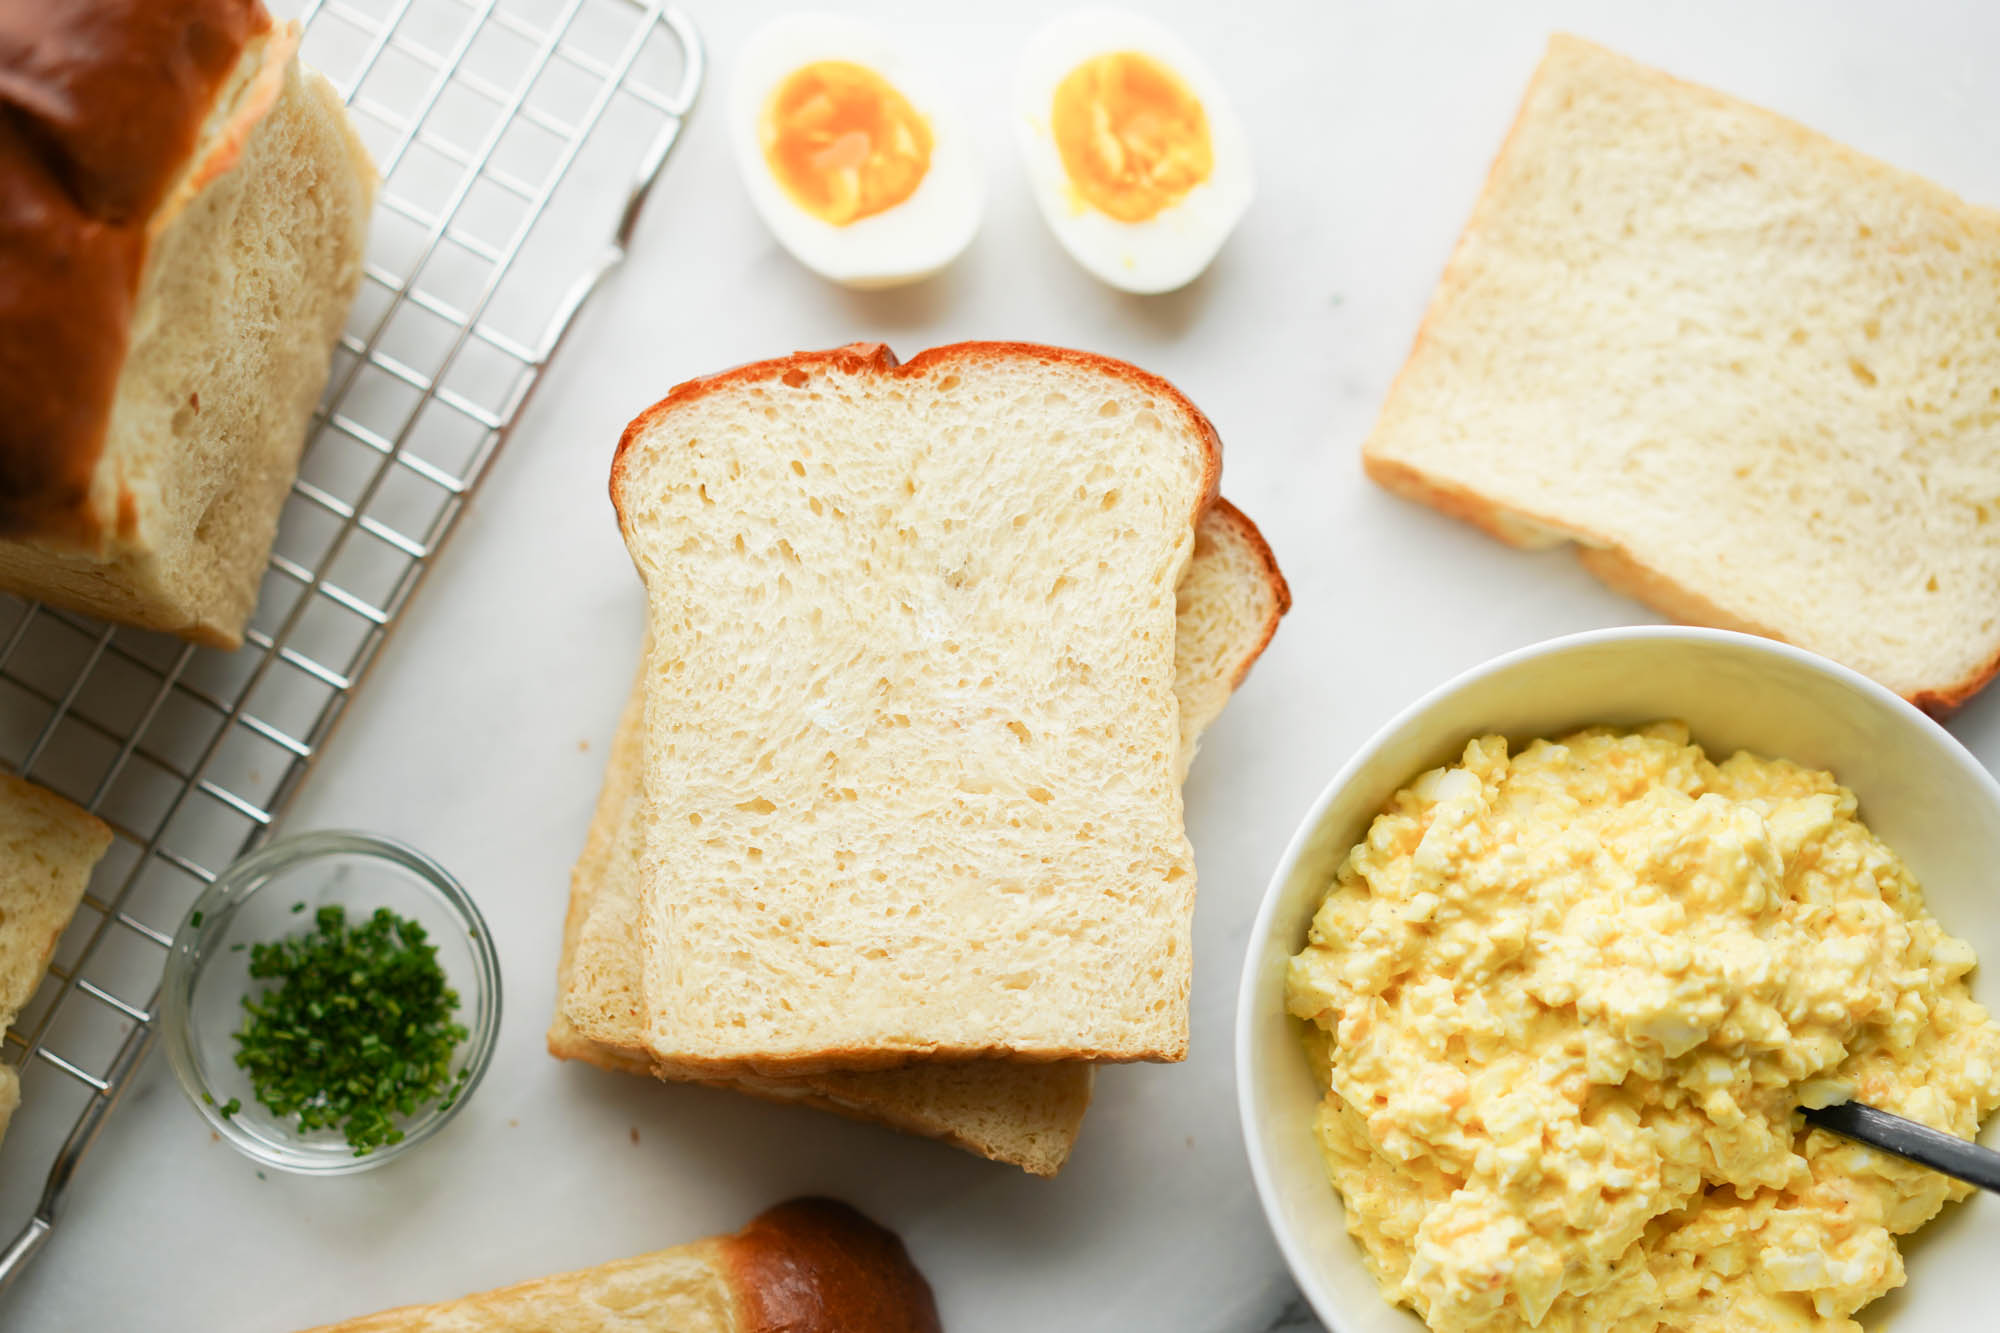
(808, 1266)
(182, 217)
(1228, 606)
(911, 743)
(1752, 374)
(48, 847)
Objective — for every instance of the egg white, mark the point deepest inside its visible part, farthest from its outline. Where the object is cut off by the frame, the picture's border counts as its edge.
(905, 243)
(1171, 248)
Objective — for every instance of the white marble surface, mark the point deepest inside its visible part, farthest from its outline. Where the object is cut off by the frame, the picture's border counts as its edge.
(481, 735)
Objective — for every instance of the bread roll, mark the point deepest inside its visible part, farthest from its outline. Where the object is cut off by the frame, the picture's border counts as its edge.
(808, 1266)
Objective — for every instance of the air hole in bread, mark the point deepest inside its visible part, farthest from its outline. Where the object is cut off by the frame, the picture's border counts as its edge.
(798, 468)
(1861, 372)
(758, 805)
(796, 379)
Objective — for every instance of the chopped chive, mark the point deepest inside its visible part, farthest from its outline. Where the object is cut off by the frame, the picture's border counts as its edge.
(357, 1030)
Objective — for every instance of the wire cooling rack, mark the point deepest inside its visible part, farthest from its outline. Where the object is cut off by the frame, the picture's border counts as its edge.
(517, 140)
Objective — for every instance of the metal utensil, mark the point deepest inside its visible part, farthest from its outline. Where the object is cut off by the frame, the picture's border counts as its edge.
(1909, 1140)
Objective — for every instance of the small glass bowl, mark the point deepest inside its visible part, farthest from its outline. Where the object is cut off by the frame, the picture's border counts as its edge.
(256, 900)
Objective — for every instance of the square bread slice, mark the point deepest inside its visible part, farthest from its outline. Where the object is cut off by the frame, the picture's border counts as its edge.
(910, 705)
(1751, 373)
(48, 847)
(1228, 606)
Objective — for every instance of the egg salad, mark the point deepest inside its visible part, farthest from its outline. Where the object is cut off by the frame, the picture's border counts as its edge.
(1565, 1005)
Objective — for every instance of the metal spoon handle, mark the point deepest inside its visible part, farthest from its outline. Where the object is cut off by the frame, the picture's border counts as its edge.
(1906, 1138)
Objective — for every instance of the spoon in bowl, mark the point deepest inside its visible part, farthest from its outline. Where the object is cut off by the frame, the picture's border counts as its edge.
(1911, 1141)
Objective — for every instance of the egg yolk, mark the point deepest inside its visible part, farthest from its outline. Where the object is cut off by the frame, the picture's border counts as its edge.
(843, 142)
(1133, 137)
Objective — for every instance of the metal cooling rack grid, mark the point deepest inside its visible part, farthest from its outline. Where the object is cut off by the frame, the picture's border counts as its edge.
(510, 135)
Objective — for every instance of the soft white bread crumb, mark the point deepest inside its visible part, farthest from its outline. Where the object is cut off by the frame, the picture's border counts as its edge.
(1228, 606)
(1754, 374)
(48, 847)
(910, 727)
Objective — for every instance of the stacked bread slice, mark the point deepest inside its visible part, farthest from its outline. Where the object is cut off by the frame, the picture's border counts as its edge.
(892, 824)
(48, 847)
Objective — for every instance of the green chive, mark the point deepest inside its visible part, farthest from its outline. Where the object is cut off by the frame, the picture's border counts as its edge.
(356, 1029)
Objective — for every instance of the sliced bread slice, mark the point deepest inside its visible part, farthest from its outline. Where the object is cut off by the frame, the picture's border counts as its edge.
(48, 847)
(1229, 604)
(910, 704)
(1750, 372)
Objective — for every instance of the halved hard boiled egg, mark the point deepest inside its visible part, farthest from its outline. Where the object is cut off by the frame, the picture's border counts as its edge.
(852, 156)
(1134, 154)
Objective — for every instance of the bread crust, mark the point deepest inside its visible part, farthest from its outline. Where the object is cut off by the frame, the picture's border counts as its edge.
(819, 1266)
(101, 105)
(1281, 591)
(874, 357)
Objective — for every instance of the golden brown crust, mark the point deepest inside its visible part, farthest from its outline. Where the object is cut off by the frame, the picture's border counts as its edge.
(1942, 702)
(856, 358)
(1618, 571)
(101, 103)
(1526, 531)
(1614, 567)
(818, 1266)
(1281, 591)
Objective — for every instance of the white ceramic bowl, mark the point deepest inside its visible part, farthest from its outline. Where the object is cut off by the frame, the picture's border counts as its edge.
(1919, 790)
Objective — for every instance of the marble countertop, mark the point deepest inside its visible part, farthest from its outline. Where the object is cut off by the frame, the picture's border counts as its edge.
(482, 734)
